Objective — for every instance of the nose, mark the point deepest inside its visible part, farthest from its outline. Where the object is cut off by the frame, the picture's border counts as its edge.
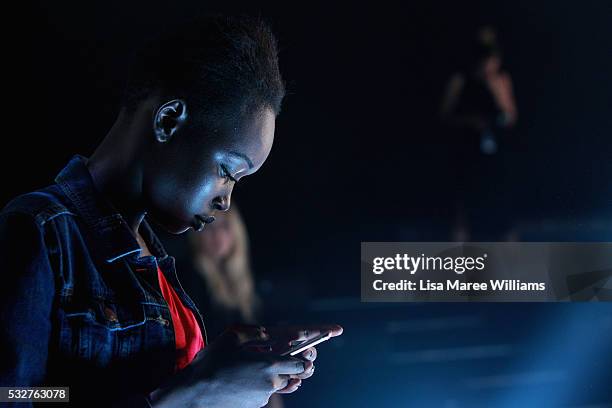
(222, 203)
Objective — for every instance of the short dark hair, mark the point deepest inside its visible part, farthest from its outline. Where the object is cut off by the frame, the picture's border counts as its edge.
(214, 63)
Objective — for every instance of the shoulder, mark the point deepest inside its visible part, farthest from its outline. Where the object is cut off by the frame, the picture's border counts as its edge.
(37, 229)
(40, 206)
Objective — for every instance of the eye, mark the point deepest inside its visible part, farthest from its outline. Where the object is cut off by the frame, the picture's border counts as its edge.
(226, 173)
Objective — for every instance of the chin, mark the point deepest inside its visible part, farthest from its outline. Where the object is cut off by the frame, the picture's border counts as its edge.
(170, 225)
(177, 230)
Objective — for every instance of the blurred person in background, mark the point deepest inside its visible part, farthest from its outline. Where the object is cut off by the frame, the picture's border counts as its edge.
(222, 283)
(221, 280)
(477, 109)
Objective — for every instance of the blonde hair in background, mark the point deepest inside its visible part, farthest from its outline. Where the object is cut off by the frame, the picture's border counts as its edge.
(230, 279)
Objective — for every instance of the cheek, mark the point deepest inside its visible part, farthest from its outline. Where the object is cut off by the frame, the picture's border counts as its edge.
(174, 199)
(201, 194)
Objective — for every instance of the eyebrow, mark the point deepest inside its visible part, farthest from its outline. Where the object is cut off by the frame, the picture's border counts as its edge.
(243, 156)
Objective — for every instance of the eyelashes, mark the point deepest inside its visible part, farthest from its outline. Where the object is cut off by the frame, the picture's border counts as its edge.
(226, 173)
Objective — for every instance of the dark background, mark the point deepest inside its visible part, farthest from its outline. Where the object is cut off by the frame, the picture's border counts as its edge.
(359, 156)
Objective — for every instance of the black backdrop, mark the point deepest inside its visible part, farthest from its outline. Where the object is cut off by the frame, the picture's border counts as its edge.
(358, 155)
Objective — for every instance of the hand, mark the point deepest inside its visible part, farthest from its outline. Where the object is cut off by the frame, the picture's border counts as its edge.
(228, 373)
(284, 337)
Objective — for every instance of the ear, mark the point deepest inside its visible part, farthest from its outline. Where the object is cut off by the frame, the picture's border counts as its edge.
(169, 118)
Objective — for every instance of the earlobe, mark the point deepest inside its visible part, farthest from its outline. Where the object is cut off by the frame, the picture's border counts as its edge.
(169, 118)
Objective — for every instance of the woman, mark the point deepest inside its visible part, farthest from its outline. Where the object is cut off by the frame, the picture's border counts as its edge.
(478, 108)
(90, 299)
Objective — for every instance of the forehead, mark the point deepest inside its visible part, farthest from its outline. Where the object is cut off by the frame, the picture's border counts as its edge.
(249, 138)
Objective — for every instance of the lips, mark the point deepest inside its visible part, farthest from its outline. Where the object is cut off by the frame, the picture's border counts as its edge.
(200, 221)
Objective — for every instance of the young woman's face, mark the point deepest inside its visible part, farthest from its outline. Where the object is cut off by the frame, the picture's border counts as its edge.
(191, 177)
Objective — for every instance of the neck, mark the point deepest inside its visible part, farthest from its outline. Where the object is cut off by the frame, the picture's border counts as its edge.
(115, 167)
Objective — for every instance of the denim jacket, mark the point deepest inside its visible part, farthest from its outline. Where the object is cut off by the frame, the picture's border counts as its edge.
(78, 306)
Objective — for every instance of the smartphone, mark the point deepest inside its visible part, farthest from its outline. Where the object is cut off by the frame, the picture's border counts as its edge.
(306, 344)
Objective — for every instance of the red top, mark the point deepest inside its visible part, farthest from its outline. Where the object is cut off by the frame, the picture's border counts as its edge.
(187, 333)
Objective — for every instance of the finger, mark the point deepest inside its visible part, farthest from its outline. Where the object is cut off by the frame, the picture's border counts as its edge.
(287, 366)
(291, 334)
(257, 348)
(249, 333)
(296, 336)
(312, 331)
(308, 371)
(292, 386)
(280, 382)
(258, 343)
(309, 354)
(334, 329)
(307, 332)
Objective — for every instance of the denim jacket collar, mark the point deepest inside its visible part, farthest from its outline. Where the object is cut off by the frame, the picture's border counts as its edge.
(114, 235)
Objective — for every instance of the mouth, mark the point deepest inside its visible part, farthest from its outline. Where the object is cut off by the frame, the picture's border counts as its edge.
(200, 221)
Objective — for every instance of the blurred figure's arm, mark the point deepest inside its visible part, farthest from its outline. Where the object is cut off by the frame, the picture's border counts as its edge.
(504, 95)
